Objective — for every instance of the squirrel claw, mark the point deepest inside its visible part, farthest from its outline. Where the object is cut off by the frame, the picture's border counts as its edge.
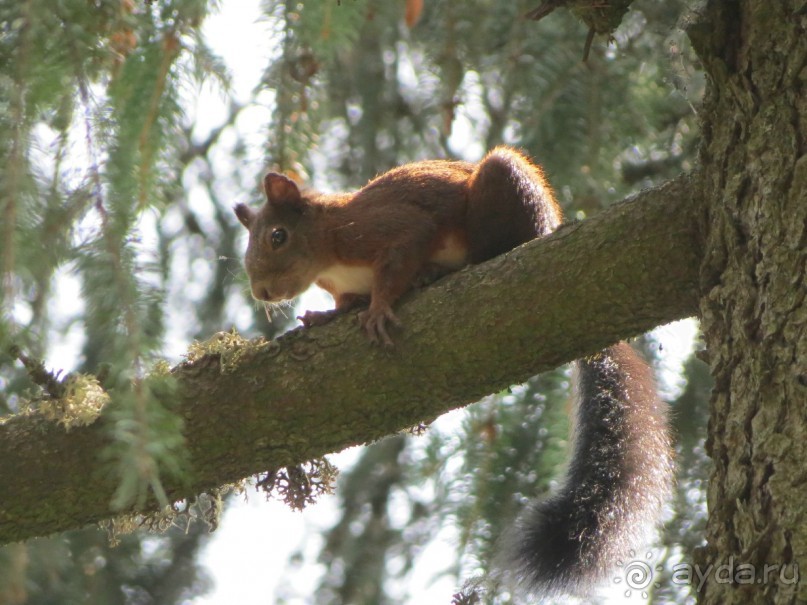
(317, 318)
(374, 322)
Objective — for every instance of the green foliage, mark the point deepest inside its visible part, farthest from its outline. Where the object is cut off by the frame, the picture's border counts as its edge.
(359, 547)
(326, 28)
(512, 446)
(81, 567)
(103, 85)
(147, 441)
(400, 94)
(91, 144)
(684, 532)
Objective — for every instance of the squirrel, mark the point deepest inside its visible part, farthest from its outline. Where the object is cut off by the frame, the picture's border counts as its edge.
(428, 218)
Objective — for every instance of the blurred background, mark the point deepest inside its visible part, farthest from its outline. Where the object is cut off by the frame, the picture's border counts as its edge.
(129, 128)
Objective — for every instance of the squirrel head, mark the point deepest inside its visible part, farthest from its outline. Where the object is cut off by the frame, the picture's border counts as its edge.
(279, 260)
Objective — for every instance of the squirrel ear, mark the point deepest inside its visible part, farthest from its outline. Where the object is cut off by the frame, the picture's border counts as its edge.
(245, 214)
(281, 190)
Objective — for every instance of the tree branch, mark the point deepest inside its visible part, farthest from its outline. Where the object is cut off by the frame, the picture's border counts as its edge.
(320, 390)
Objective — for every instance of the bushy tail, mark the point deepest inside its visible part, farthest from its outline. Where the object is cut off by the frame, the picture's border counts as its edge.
(618, 478)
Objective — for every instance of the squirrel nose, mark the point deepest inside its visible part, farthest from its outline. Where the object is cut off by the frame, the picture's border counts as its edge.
(261, 293)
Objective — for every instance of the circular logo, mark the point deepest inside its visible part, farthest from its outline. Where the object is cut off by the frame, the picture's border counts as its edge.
(637, 574)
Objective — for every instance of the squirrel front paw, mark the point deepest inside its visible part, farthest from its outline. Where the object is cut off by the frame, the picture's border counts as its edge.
(374, 321)
(318, 318)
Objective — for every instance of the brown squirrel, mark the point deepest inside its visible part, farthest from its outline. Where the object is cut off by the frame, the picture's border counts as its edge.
(427, 218)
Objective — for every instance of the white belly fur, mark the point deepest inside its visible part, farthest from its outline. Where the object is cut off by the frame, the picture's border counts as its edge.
(358, 279)
(341, 279)
(451, 253)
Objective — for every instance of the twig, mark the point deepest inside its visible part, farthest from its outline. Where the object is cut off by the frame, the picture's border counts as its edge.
(589, 40)
(547, 6)
(36, 370)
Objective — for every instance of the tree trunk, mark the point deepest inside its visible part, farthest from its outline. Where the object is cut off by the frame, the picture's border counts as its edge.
(754, 181)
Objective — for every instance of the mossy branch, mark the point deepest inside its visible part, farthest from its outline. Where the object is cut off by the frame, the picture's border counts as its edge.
(320, 390)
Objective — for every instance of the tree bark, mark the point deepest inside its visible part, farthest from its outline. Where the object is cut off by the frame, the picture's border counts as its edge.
(754, 180)
(316, 391)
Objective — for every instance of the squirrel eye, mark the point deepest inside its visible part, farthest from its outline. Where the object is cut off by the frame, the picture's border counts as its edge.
(278, 237)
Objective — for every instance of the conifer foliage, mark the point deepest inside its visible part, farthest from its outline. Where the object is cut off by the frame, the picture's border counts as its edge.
(91, 149)
(91, 145)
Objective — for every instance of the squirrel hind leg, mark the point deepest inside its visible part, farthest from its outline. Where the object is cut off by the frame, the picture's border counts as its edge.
(509, 203)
